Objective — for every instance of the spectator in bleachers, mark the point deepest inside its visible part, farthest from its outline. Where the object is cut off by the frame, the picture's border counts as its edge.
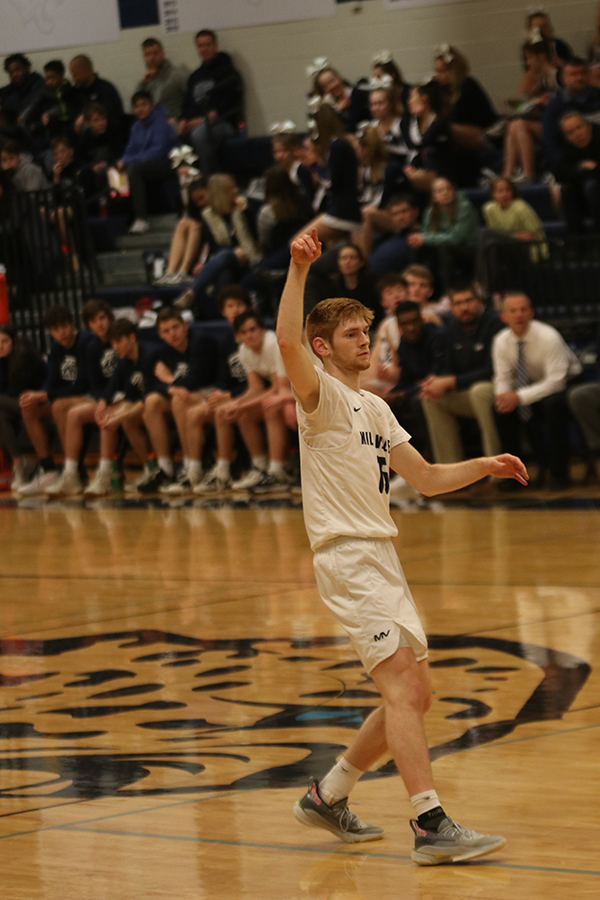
(464, 386)
(577, 170)
(21, 369)
(577, 95)
(230, 382)
(67, 386)
(122, 406)
(267, 402)
(385, 109)
(523, 134)
(350, 278)
(165, 82)
(25, 174)
(584, 402)
(90, 88)
(100, 361)
(213, 106)
(533, 367)
(286, 147)
(65, 165)
(450, 232)
(539, 21)
(383, 64)
(471, 111)
(373, 155)
(23, 88)
(342, 214)
(55, 108)
(101, 145)
(382, 373)
(184, 374)
(390, 250)
(146, 157)
(348, 101)
(232, 247)
(509, 219)
(419, 289)
(283, 213)
(426, 134)
(188, 248)
(420, 355)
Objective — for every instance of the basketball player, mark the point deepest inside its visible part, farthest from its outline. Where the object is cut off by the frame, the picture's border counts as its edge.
(349, 441)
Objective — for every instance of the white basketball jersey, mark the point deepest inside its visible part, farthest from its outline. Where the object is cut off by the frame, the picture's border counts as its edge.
(344, 456)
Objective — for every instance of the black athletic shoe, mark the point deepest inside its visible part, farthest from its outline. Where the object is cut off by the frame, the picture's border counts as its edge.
(312, 810)
(153, 483)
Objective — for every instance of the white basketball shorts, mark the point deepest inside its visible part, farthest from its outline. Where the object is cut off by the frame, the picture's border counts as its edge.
(362, 583)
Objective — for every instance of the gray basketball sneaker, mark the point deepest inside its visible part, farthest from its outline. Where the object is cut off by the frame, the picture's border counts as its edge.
(312, 810)
(451, 843)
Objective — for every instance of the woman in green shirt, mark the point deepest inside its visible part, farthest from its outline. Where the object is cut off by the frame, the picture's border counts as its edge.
(449, 238)
(509, 220)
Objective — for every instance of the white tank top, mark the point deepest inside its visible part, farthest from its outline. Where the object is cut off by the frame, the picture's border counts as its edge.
(344, 457)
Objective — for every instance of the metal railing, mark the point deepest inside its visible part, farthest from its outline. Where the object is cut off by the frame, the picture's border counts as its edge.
(561, 277)
(46, 246)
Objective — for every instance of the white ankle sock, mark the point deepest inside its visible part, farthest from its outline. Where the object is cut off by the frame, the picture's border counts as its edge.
(223, 469)
(194, 468)
(166, 464)
(260, 462)
(70, 467)
(338, 783)
(425, 801)
(104, 466)
(276, 467)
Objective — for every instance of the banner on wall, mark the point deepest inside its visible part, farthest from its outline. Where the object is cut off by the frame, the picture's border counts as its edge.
(406, 4)
(27, 25)
(190, 15)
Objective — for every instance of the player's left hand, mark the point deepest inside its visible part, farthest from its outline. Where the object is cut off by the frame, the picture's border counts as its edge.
(508, 466)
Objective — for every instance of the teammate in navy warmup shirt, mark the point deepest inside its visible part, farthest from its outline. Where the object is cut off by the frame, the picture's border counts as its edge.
(68, 386)
(184, 370)
(100, 363)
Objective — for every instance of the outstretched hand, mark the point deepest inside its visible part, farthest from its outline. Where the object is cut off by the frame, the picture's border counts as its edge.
(507, 466)
(306, 249)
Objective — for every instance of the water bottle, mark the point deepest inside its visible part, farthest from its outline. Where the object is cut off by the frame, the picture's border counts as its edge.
(116, 476)
(4, 314)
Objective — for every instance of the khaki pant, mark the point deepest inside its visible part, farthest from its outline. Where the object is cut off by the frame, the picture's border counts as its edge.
(477, 402)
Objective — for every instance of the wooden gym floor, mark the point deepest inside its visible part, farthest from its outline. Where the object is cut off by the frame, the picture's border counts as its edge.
(170, 680)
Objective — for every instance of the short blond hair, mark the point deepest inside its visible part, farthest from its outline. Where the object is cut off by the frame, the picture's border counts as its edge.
(328, 314)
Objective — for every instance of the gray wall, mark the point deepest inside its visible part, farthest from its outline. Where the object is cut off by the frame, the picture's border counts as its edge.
(273, 58)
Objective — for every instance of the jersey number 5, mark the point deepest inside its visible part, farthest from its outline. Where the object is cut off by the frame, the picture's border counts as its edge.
(384, 478)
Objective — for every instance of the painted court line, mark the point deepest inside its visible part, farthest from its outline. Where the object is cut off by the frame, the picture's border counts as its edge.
(319, 850)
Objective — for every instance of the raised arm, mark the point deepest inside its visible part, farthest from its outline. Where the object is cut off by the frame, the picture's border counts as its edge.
(298, 364)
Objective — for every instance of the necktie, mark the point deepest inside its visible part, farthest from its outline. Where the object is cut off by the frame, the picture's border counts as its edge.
(522, 380)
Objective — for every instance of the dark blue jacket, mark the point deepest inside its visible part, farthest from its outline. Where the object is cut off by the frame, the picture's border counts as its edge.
(68, 374)
(150, 138)
(561, 103)
(342, 197)
(30, 376)
(101, 91)
(418, 359)
(469, 353)
(215, 86)
(17, 98)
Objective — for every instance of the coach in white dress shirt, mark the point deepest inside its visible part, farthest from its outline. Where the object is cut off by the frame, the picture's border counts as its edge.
(532, 368)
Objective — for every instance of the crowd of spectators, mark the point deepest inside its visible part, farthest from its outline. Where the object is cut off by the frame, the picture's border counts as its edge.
(380, 172)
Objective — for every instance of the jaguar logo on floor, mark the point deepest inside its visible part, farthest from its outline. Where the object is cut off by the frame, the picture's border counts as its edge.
(144, 713)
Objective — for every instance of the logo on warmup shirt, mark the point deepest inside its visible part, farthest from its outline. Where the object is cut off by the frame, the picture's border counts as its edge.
(68, 369)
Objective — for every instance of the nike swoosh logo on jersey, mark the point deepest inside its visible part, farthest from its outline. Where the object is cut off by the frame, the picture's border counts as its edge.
(356, 408)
